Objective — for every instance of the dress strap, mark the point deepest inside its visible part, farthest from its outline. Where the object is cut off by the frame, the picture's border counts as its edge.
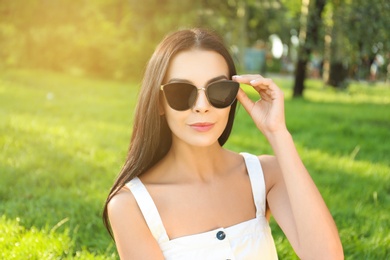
(256, 177)
(148, 209)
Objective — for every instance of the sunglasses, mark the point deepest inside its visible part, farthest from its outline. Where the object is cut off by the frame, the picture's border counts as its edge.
(182, 96)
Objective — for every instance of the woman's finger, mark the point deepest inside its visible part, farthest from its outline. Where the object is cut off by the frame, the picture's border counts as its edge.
(246, 102)
(246, 79)
(265, 95)
(256, 81)
(269, 87)
(263, 83)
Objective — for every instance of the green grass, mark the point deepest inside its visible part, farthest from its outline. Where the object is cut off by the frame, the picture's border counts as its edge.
(63, 140)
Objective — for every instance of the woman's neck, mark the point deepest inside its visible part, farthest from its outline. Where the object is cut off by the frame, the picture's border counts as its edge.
(194, 164)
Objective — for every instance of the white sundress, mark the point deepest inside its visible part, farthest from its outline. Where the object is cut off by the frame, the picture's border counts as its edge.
(250, 239)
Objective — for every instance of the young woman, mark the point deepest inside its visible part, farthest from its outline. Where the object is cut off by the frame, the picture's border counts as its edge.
(181, 195)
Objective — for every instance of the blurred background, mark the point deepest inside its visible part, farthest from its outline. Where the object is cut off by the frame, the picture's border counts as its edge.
(69, 78)
(113, 39)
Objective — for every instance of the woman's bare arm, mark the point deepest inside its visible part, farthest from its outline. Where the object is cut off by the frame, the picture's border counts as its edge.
(294, 199)
(298, 207)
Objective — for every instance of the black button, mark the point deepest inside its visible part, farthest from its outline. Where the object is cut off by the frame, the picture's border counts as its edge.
(221, 235)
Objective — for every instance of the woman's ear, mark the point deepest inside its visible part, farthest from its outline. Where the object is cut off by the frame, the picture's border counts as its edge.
(161, 110)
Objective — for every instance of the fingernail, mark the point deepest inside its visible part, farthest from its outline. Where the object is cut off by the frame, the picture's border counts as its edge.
(253, 81)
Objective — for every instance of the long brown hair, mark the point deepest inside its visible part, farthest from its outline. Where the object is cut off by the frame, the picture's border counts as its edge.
(151, 138)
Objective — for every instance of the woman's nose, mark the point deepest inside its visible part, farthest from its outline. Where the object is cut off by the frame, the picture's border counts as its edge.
(201, 103)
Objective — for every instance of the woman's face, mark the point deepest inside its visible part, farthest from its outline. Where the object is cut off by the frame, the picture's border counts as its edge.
(202, 124)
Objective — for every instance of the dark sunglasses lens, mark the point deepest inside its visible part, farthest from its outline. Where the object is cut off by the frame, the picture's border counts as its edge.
(180, 96)
(222, 94)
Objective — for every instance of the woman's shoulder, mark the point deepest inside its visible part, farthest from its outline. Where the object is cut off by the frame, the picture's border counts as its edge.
(268, 162)
(124, 214)
(271, 170)
(124, 199)
(132, 235)
(124, 202)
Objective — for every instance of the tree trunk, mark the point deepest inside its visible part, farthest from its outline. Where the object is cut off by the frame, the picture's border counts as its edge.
(308, 36)
(300, 75)
(337, 71)
(242, 15)
(327, 45)
(337, 74)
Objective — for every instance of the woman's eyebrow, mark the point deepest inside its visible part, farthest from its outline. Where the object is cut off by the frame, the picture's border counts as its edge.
(216, 79)
(222, 77)
(179, 80)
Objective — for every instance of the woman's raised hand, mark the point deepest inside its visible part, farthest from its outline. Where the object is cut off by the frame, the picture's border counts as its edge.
(268, 111)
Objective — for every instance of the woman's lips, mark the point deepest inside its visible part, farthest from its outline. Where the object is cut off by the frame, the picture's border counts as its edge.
(202, 127)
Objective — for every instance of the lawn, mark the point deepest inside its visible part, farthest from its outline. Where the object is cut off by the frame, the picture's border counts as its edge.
(63, 139)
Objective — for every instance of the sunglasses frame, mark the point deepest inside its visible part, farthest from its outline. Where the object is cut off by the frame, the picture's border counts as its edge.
(197, 93)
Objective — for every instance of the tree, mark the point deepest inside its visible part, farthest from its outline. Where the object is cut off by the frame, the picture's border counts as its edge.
(245, 22)
(311, 21)
(105, 38)
(358, 32)
(114, 38)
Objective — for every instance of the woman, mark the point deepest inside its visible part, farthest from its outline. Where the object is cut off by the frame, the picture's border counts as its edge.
(181, 195)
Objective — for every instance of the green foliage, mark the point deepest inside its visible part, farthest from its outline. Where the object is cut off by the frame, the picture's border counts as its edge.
(357, 31)
(105, 38)
(114, 38)
(19, 243)
(365, 25)
(272, 17)
(63, 140)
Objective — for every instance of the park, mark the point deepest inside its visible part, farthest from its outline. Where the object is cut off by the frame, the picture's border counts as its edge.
(69, 79)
